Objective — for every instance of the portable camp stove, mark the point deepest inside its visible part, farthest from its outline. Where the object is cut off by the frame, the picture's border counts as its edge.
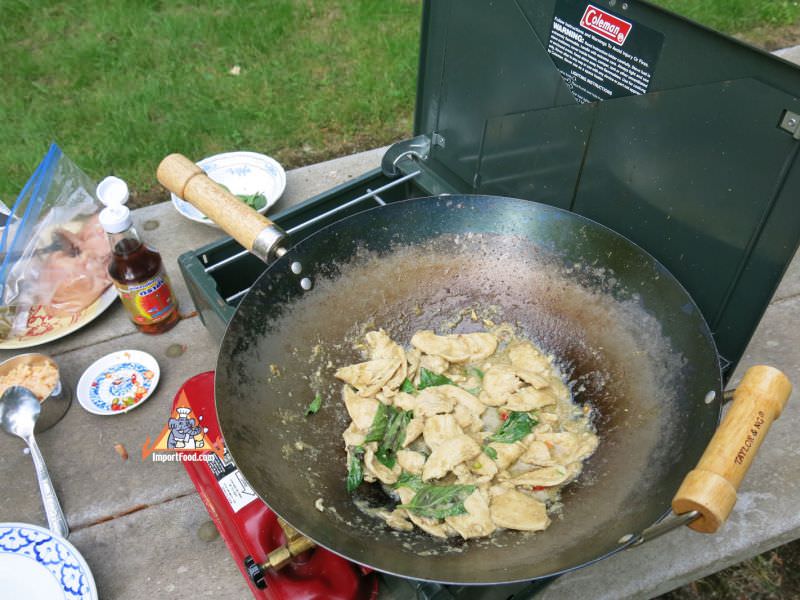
(255, 535)
(277, 562)
(681, 139)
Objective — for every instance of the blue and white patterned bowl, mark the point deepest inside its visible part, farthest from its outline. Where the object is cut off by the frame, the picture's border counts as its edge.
(242, 173)
(118, 382)
(35, 564)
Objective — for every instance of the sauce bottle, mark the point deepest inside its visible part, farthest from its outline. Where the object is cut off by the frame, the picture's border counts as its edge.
(136, 268)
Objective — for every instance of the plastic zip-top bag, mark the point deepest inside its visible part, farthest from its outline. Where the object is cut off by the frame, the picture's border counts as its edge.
(54, 252)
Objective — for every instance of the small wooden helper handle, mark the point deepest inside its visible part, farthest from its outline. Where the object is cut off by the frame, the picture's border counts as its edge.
(711, 487)
(188, 181)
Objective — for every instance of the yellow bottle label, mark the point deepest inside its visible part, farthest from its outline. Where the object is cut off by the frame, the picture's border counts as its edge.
(150, 301)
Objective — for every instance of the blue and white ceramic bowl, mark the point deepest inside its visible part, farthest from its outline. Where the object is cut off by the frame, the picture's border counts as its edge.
(244, 173)
(35, 564)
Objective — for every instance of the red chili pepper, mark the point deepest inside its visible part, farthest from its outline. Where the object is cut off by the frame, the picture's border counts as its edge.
(539, 488)
(503, 416)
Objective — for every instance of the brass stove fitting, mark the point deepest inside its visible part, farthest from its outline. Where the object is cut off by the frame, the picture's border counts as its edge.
(296, 543)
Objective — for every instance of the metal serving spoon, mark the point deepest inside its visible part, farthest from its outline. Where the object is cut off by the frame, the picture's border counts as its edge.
(19, 410)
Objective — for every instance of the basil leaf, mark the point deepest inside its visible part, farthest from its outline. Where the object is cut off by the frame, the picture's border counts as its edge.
(409, 480)
(513, 429)
(430, 379)
(379, 423)
(439, 501)
(393, 437)
(255, 201)
(490, 452)
(315, 405)
(408, 387)
(355, 470)
(475, 372)
(386, 457)
(389, 430)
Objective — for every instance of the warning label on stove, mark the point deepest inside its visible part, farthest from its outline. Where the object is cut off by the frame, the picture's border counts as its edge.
(232, 483)
(600, 54)
(237, 491)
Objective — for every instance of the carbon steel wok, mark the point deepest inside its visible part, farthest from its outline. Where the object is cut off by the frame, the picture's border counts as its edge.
(630, 338)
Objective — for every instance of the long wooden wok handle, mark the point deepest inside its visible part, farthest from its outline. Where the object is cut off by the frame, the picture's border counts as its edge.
(711, 487)
(251, 229)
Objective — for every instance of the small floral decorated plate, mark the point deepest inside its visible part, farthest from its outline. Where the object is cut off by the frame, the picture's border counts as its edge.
(35, 563)
(118, 382)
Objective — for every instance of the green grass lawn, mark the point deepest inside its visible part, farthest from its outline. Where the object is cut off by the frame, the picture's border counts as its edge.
(736, 16)
(120, 84)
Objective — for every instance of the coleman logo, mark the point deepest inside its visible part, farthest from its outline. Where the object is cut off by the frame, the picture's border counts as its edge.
(607, 25)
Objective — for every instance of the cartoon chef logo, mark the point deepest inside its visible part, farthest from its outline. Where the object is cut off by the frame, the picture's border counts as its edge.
(184, 432)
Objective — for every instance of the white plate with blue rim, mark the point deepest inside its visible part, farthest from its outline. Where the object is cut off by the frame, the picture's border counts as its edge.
(36, 564)
(118, 382)
(257, 179)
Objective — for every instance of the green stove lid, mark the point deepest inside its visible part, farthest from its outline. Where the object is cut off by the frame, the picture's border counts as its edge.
(682, 139)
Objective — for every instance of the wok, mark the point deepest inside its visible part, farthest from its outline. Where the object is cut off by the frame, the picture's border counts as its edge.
(631, 340)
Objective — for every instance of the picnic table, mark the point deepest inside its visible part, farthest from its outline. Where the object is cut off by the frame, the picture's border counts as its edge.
(136, 521)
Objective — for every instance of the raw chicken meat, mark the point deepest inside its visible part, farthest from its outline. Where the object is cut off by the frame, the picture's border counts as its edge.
(72, 278)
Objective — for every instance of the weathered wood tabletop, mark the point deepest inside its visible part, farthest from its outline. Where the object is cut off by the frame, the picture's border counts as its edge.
(136, 521)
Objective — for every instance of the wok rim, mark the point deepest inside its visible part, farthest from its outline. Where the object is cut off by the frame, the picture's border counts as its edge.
(287, 258)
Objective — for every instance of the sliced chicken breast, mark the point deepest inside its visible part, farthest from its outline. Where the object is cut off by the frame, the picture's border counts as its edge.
(515, 510)
(448, 454)
(458, 348)
(477, 521)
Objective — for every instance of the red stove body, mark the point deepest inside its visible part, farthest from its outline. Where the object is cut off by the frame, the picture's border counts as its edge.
(250, 528)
